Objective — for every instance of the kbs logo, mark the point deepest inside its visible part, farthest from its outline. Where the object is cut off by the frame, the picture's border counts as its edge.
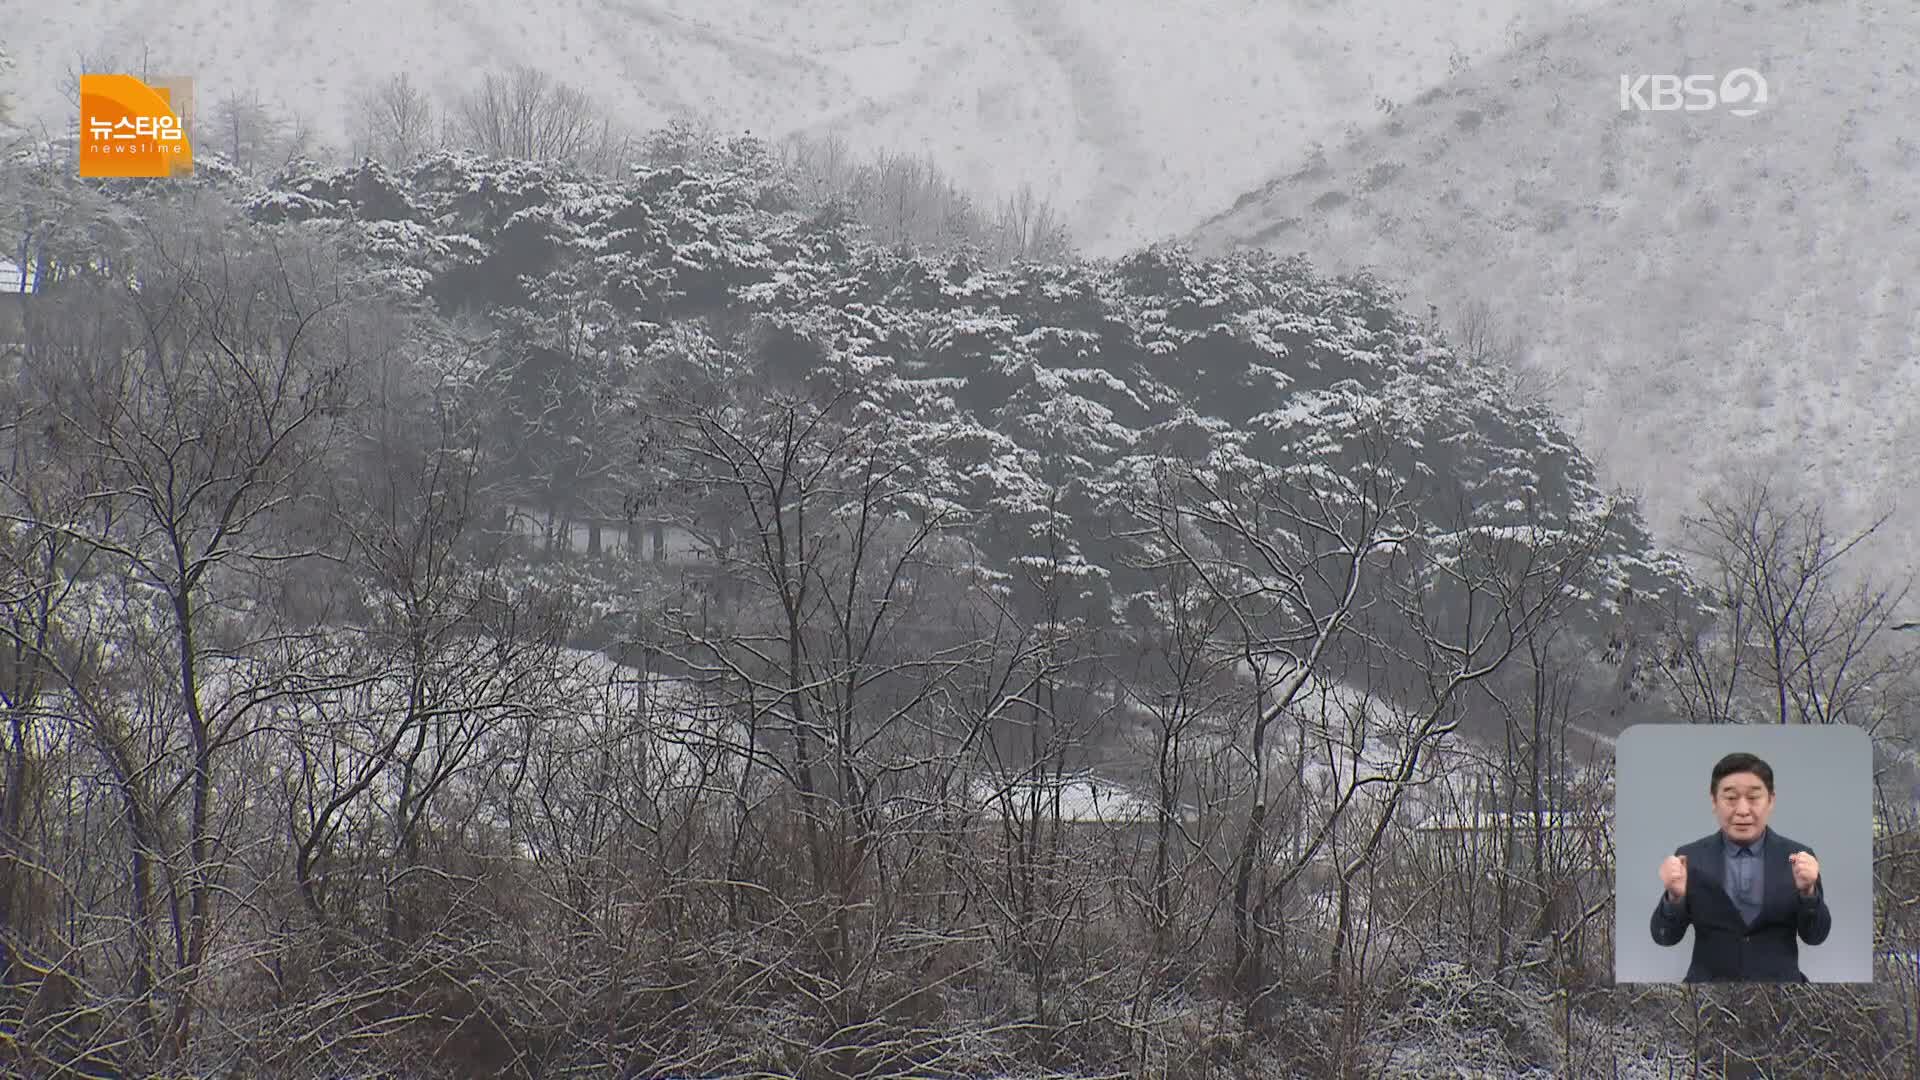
(1741, 92)
(130, 128)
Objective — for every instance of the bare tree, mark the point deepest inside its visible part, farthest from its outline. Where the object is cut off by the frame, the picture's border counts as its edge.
(823, 165)
(1043, 799)
(525, 113)
(1794, 639)
(1028, 228)
(1185, 683)
(1322, 570)
(903, 199)
(393, 122)
(1480, 339)
(42, 645)
(396, 736)
(99, 60)
(193, 401)
(1230, 553)
(257, 137)
(860, 668)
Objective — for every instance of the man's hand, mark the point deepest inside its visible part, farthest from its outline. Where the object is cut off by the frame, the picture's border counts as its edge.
(1806, 871)
(1673, 874)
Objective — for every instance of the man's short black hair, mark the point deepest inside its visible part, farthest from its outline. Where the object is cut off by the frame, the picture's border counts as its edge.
(1739, 763)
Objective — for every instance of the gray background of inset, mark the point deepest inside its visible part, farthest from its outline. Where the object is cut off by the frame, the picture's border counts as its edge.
(1823, 798)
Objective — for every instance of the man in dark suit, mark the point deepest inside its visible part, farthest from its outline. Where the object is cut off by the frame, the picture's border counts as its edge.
(1747, 891)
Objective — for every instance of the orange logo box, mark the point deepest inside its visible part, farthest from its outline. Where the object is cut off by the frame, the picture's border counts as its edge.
(132, 128)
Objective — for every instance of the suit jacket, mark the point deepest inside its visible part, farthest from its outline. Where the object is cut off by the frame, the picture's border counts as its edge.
(1725, 947)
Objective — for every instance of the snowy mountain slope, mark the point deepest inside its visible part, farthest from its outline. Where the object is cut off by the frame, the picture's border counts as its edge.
(1130, 113)
(1716, 296)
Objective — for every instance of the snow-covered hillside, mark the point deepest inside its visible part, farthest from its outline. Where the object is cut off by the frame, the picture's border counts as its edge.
(1135, 115)
(1710, 297)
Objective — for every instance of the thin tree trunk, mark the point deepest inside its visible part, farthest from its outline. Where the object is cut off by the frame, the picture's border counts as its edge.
(200, 843)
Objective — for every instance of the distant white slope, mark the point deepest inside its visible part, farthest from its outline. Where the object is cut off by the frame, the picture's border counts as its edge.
(1715, 296)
